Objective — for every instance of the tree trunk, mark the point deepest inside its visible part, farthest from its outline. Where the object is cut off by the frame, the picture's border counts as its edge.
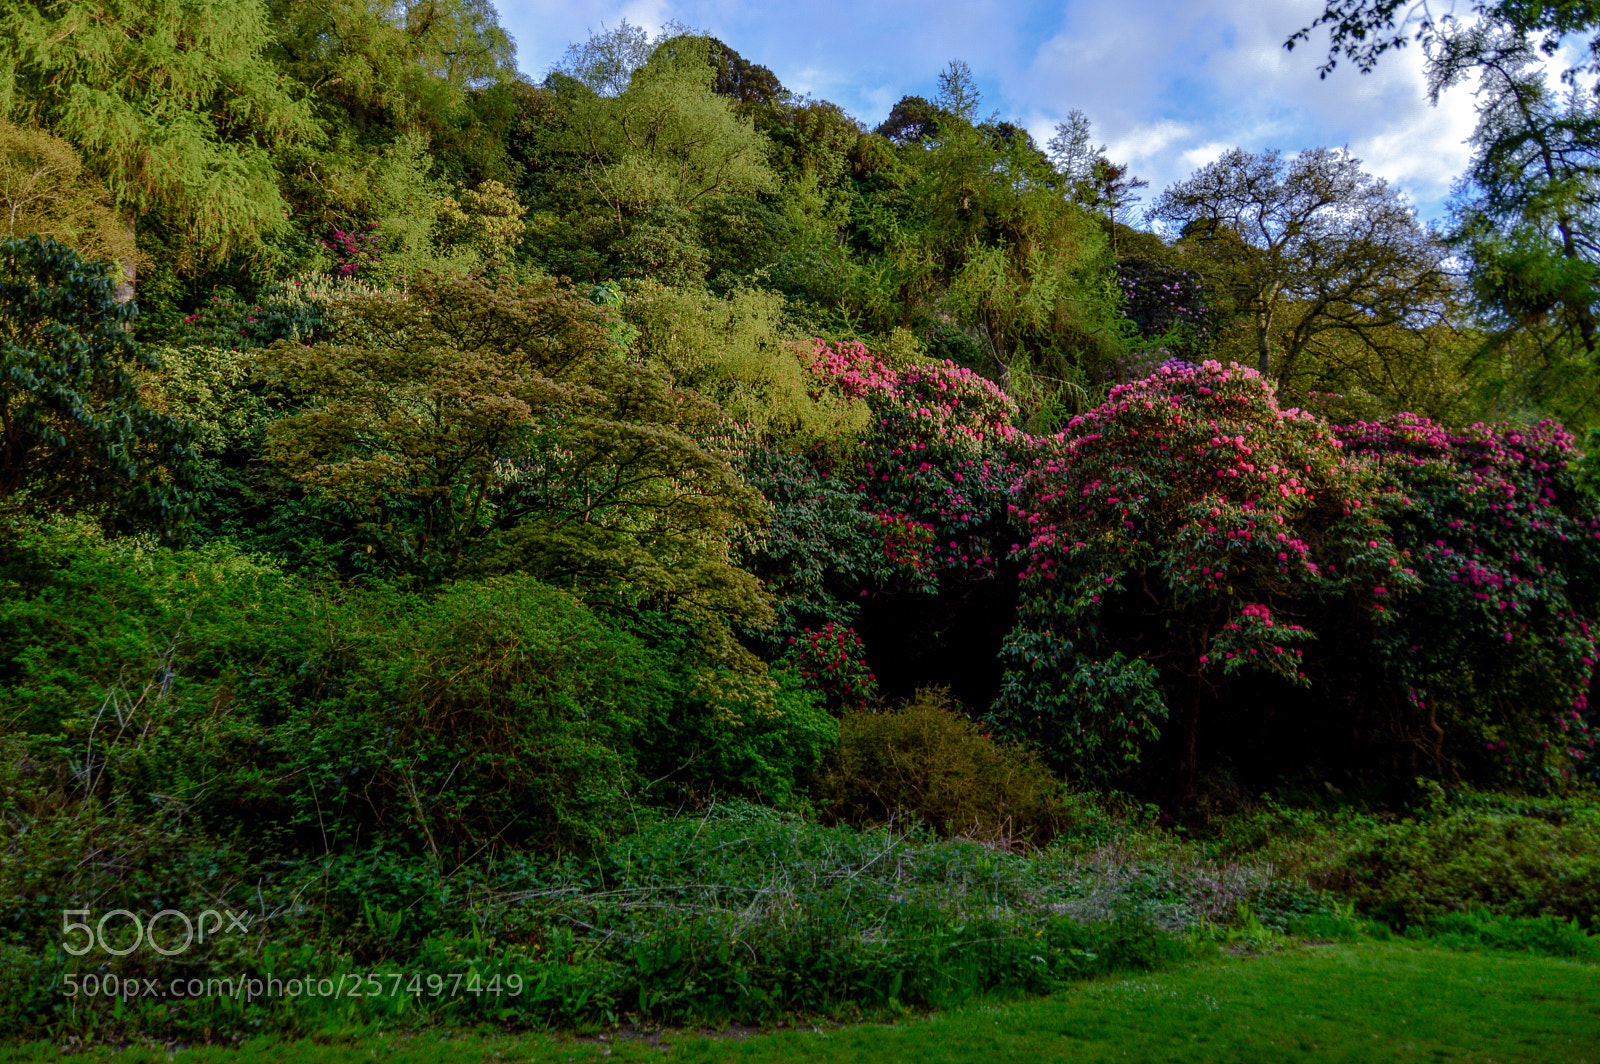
(130, 269)
(1264, 342)
(1189, 769)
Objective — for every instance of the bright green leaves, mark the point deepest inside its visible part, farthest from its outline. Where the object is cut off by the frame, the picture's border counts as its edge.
(173, 104)
(472, 429)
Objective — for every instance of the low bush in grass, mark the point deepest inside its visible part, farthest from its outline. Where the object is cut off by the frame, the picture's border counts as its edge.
(928, 761)
(1510, 857)
(1546, 935)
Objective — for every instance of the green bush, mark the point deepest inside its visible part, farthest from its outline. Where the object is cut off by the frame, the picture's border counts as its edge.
(497, 713)
(1522, 858)
(927, 760)
(483, 715)
(1545, 935)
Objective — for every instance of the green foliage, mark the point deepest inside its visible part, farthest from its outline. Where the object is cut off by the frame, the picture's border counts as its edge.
(502, 713)
(741, 351)
(927, 761)
(492, 714)
(45, 191)
(77, 435)
(472, 429)
(1522, 858)
(1543, 935)
(171, 104)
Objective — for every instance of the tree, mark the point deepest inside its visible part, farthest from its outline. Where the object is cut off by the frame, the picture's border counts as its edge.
(958, 91)
(472, 429)
(1308, 247)
(44, 190)
(606, 62)
(1362, 30)
(172, 103)
(74, 433)
(1074, 155)
(1527, 213)
(667, 138)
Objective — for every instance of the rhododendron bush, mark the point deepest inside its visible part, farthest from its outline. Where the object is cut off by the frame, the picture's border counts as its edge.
(1498, 649)
(1203, 574)
(915, 508)
(1186, 537)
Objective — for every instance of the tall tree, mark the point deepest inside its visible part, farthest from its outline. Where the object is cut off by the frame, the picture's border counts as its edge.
(172, 104)
(1528, 211)
(1308, 246)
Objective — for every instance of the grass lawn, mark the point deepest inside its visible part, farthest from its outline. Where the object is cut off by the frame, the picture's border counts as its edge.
(1366, 1002)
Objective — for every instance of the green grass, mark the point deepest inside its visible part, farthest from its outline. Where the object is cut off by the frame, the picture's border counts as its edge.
(1374, 1002)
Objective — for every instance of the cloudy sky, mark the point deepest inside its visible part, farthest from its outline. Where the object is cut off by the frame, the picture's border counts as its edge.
(1168, 84)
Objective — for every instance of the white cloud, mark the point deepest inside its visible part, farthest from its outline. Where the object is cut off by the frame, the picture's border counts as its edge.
(1210, 152)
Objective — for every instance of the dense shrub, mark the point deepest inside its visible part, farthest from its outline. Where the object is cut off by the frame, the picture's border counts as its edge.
(1498, 647)
(1187, 543)
(928, 761)
(493, 713)
(1512, 858)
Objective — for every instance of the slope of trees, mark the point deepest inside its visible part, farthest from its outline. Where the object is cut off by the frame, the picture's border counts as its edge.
(483, 471)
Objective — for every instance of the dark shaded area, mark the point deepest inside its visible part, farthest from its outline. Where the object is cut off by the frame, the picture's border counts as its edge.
(947, 640)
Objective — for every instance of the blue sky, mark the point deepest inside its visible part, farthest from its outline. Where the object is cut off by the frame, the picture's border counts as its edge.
(1168, 84)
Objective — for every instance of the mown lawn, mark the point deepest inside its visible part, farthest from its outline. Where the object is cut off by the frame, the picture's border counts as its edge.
(1364, 1002)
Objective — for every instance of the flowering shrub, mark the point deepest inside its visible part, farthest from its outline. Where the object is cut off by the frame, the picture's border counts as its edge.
(1167, 304)
(833, 662)
(825, 546)
(353, 252)
(1178, 536)
(1499, 647)
(229, 322)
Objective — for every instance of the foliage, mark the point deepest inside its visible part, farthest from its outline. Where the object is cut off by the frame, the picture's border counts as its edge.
(926, 760)
(170, 103)
(479, 429)
(1510, 857)
(832, 662)
(1167, 305)
(1178, 535)
(1498, 648)
(45, 191)
(740, 351)
(1308, 250)
(1526, 213)
(77, 435)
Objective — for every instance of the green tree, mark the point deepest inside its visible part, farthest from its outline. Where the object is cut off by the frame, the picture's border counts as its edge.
(74, 432)
(1308, 248)
(472, 430)
(172, 104)
(1528, 212)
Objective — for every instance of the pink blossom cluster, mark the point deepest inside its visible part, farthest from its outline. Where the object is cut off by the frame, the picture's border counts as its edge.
(932, 402)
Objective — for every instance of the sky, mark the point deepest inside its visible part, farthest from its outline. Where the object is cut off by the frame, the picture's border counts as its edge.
(1168, 85)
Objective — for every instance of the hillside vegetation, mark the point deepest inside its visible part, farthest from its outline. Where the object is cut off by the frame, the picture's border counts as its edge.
(648, 539)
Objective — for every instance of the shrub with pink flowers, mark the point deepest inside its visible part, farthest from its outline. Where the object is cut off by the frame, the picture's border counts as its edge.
(913, 510)
(1187, 539)
(833, 662)
(1498, 650)
(355, 252)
